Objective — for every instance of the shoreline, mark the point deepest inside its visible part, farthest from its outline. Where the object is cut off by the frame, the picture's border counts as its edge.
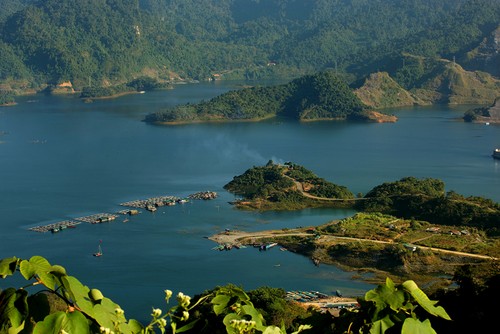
(220, 120)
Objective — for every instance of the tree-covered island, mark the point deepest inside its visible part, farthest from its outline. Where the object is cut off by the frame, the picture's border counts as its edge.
(406, 228)
(291, 186)
(322, 96)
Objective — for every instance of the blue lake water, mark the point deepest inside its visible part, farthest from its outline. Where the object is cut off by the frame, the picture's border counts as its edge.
(62, 159)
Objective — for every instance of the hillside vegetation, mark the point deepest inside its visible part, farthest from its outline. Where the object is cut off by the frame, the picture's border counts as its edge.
(322, 96)
(107, 43)
(291, 186)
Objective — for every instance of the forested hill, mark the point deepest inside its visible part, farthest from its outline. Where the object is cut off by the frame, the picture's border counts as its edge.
(109, 42)
(322, 96)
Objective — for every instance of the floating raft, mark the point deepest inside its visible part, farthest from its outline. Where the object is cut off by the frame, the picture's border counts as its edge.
(150, 204)
(153, 201)
(55, 227)
(204, 195)
(98, 218)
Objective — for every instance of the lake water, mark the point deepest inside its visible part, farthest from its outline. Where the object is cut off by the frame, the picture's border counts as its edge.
(63, 159)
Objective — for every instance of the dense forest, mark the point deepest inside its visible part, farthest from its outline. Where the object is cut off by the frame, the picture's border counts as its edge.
(106, 43)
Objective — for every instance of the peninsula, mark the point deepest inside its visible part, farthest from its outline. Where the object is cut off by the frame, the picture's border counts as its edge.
(318, 97)
(286, 187)
(381, 245)
(406, 228)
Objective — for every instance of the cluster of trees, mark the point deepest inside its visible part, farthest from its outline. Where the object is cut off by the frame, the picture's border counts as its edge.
(409, 197)
(320, 187)
(6, 98)
(275, 183)
(260, 182)
(427, 200)
(323, 95)
(115, 41)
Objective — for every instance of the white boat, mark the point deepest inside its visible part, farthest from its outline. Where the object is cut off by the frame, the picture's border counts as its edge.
(496, 153)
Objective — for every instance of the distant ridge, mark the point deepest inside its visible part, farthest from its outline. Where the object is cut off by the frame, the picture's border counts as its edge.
(440, 82)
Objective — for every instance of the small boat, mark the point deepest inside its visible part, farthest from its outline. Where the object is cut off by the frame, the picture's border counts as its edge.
(99, 250)
(496, 153)
(338, 293)
(271, 245)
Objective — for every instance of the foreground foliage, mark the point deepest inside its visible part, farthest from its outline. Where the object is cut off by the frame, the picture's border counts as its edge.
(86, 310)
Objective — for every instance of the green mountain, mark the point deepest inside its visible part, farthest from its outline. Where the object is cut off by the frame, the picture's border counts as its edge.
(109, 42)
(322, 96)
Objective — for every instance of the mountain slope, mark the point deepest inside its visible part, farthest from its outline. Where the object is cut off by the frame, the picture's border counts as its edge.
(109, 42)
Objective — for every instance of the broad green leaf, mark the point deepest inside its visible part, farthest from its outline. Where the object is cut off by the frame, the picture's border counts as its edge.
(187, 326)
(8, 266)
(78, 294)
(227, 322)
(424, 301)
(13, 310)
(42, 269)
(415, 326)
(132, 327)
(105, 313)
(74, 322)
(58, 270)
(240, 293)
(27, 270)
(380, 326)
(386, 295)
(220, 303)
(256, 316)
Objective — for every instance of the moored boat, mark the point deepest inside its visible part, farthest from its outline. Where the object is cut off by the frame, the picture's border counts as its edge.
(496, 153)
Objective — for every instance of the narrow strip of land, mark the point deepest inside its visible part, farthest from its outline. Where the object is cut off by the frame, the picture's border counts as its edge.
(247, 238)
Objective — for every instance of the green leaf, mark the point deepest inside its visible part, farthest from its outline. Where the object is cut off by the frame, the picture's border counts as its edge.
(8, 266)
(380, 326)
(105, 313)
(13, 310)
(58, 270)
(386, 295)
(220, 303)
(415, 326)
(78, 294)
(27, 270)
(424, 301)
(133, 327)
(187, 326)
(256, 316)
(42, 269)
(272, 330)
(74, 322)
(227, 322)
